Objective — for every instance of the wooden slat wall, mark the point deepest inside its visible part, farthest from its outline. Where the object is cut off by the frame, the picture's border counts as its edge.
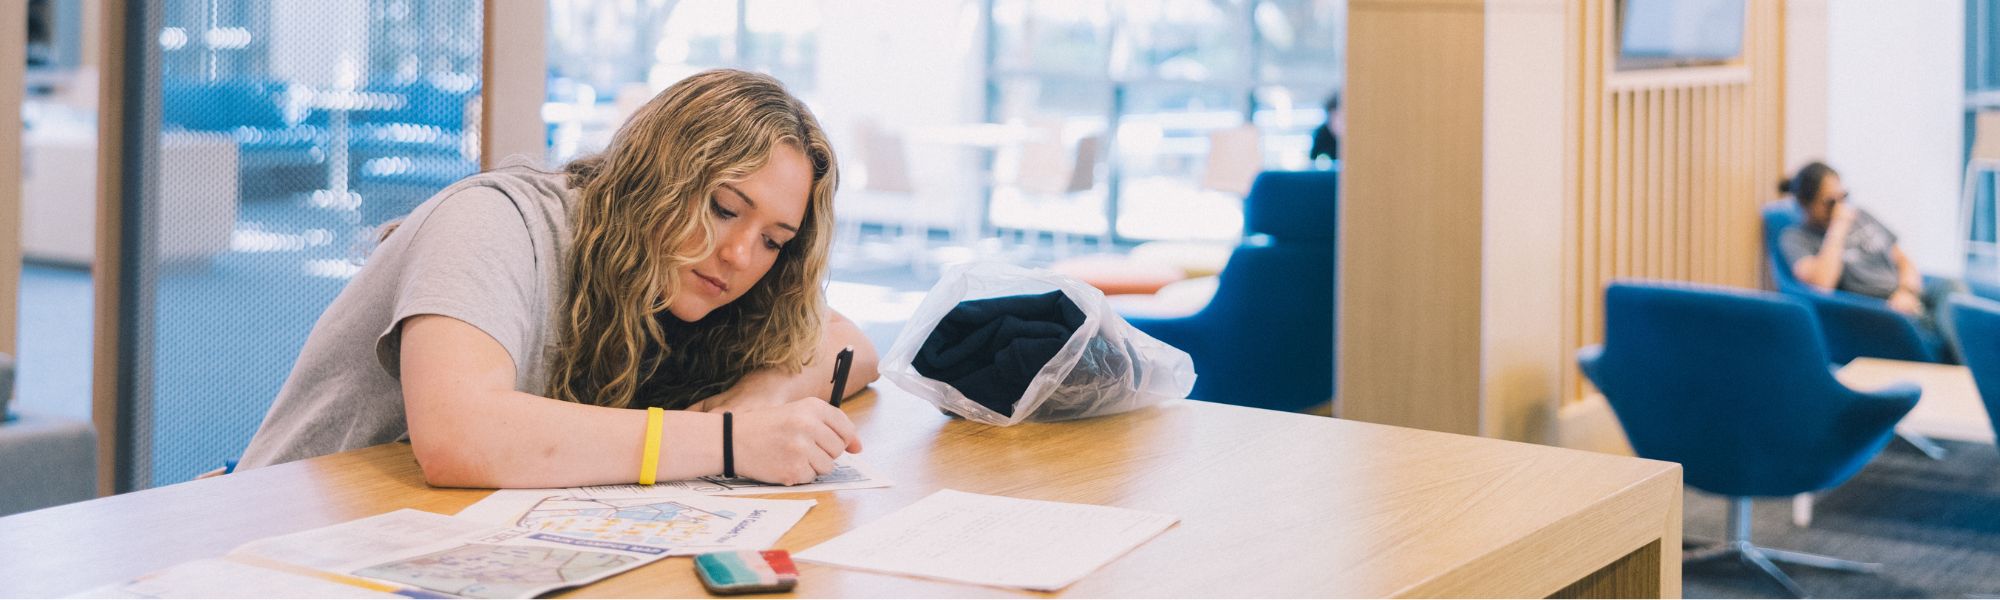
(1671, 168)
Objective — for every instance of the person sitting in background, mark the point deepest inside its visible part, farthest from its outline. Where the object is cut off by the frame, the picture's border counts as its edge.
(1326, 139)
(1840, 247)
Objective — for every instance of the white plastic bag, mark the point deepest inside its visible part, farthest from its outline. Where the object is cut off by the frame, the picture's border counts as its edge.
(1107, 366)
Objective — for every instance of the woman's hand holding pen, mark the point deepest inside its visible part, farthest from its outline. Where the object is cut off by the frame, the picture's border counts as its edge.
(792, 443)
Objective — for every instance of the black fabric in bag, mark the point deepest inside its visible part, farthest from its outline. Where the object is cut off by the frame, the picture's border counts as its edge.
(990, 350)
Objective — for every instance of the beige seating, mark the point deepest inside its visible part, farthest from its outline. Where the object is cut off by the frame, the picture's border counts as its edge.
(1114, 274)
(1235, 157)
(1194, 259)
(885, 195)
(59, 195)
(197, 192)
(1050, 179)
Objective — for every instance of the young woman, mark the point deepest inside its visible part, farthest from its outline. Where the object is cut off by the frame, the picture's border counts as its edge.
(510, 325)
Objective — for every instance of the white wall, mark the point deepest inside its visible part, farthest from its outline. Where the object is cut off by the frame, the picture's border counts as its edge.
(1521, 219)
(1805, 82)
(1895, 96)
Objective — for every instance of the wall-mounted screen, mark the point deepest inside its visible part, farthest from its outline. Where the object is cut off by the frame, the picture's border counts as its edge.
(1667, 33)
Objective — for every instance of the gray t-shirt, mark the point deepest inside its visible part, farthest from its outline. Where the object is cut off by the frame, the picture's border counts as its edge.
(1868, 264)
(490, 251)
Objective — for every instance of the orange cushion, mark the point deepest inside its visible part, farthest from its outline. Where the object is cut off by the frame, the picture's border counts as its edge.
(1113, 274)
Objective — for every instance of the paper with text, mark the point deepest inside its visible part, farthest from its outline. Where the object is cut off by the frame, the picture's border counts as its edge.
(993, 540)
(849, 473)
(685, 525)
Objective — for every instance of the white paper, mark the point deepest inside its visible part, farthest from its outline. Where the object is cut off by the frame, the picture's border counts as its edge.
(405, 549)
(363, 542)
(683, 524)
(849, 473)
(993, 540)
(224, 578)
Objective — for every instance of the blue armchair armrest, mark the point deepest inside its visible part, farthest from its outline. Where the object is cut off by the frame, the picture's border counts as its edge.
(1857, 326)
(1875, 411)
(1587, 358)
(1893, 400)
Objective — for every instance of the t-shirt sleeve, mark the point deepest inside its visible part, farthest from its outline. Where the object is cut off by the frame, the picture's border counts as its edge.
(1794, 244)
(470, 258)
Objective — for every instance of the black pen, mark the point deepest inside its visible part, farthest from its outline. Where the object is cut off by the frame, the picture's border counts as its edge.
(840, 363)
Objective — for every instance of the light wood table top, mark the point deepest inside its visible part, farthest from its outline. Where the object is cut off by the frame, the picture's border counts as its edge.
(1271, 504)
(1950, 407)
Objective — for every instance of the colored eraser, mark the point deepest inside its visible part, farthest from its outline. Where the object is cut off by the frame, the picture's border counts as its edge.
(746, 571)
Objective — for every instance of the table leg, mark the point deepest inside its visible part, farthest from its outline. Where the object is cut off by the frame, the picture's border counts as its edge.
(1652, 571)
(1636, 575)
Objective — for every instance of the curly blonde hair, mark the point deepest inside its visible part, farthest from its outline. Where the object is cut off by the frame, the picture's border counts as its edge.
(638, 205)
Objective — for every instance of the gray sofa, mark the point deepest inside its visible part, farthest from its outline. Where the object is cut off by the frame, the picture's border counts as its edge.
(45, 461)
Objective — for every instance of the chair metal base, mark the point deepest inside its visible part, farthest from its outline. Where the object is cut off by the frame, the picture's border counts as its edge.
(1739, 547)
(1765, 559)
(1923, 444)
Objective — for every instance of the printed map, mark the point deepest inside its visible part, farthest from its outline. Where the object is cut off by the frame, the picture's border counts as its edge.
(639, 521)
(498, 571)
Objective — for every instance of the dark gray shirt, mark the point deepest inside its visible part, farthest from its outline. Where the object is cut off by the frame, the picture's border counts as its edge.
(1868, 264)
(488, 251)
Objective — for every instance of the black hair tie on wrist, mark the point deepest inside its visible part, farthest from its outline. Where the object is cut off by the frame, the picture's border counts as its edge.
(728, 448)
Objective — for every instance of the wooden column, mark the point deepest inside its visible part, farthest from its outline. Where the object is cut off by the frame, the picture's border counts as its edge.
(1411, 209)
(106, 379)
(1500, 170)
(13, 70)
(515, 74)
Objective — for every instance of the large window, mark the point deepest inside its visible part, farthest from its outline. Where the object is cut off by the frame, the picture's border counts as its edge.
(1982, 94)
(1161, 79)
(276, 138)
(982, 108)
(608, 56)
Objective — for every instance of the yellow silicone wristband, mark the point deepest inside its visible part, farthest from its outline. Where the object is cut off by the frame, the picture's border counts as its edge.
(649, 463)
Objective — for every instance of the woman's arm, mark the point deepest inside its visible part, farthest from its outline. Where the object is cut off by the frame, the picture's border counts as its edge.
(1823, 270)
(1908, 297)
(1911, 279)
(770, 386)
(469, 427)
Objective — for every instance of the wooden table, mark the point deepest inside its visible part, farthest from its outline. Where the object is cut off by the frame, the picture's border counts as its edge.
(1271, 504)
(1950, 407)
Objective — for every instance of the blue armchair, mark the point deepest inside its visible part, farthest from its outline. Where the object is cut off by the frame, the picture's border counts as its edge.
(402, 156)
(1977, 322)
(1266, 339)
(1854, 325)
(276, 156)
(1734, 386)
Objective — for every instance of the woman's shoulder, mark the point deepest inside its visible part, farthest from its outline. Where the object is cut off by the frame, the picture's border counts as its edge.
(509, 197)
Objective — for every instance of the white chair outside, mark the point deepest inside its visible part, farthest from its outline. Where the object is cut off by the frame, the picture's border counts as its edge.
(1053, 181)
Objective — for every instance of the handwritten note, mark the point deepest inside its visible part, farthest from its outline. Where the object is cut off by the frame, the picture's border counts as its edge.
(993, 540)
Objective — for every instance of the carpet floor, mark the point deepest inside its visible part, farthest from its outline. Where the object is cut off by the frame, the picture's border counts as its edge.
(1933, 524)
